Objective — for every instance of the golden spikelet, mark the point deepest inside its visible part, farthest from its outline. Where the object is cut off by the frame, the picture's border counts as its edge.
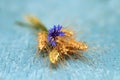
(42, 41)
(54, 56)
(36, 23)
(68, 33)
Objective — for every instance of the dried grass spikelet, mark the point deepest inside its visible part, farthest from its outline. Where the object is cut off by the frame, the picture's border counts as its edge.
(68, 33)
(42, 41)
(54, 56)
(36, 23)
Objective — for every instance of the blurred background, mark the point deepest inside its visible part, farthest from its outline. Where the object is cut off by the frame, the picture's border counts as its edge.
(97, 22)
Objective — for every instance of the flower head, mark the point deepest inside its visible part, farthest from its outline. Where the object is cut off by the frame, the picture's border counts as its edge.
(53, 33)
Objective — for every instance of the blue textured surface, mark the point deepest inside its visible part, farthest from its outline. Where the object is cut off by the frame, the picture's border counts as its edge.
(96, 21)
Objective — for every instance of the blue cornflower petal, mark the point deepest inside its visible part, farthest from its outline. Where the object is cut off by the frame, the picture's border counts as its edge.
(59, 27)
(53, 43)
(55, 28)
(61, 33)
(51, 30)
(49, 38)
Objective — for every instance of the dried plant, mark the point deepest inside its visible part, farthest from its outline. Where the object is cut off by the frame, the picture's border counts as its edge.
(58, 42)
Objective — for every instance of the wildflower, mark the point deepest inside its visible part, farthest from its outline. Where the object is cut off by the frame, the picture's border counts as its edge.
(53, 33)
